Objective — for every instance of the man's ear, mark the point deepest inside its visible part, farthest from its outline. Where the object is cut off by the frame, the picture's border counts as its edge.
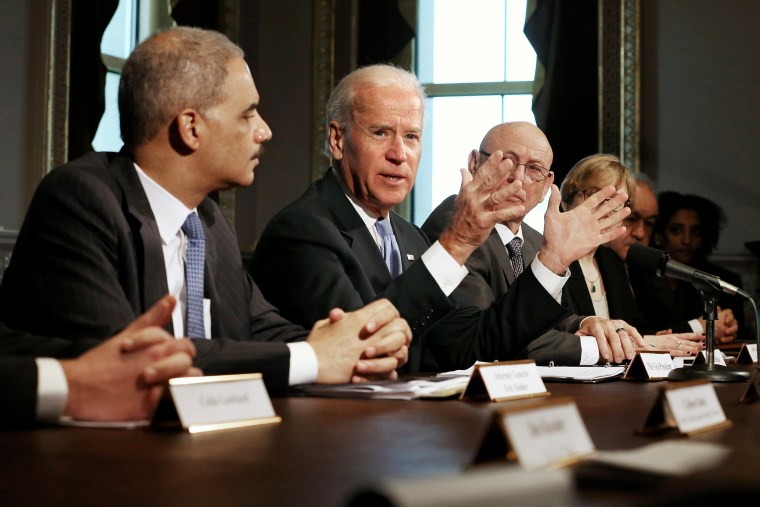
(190, 126)
(472, 161)
(336, 140)
(546, 190)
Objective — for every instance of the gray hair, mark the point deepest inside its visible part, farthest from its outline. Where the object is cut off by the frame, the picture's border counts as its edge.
(341, 101)
(174, 69)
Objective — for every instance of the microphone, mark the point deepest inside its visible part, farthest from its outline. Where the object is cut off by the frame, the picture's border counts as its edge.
(657, 262)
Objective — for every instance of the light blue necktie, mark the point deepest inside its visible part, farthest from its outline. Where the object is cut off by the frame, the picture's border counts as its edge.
(389, 247)
(196, 252)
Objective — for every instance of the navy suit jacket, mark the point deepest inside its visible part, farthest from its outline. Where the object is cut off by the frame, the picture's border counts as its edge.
(88, 260)
(317, 254)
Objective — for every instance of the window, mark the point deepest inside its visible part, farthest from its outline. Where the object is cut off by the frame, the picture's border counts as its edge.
(133, 21)
(478, 69)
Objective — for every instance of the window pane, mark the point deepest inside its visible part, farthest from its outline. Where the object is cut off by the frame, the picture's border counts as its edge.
(518, 108)
(119, 35)
(466, 44)
(521, 58)
(108, 136)
(453, 127)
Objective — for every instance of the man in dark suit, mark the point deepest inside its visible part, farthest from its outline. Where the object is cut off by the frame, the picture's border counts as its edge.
(109, 234)
(491, 268)
(341, 245)
(120, 379)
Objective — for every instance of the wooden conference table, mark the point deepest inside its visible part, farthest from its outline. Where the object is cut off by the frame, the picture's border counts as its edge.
(324, 450)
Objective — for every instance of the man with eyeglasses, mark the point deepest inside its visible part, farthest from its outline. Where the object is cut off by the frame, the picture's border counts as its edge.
(640, 223)
(496, 266)
(340, 244)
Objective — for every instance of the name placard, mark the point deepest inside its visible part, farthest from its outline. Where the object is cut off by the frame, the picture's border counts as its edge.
(752, 393)
(538, 435)
(718, 358)
(649, 366)
(218, 402)
(509, 380)
(690, 407)
(747, 354)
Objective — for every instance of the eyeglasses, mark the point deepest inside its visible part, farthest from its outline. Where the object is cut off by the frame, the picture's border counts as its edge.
(533, 171)
(588, 192)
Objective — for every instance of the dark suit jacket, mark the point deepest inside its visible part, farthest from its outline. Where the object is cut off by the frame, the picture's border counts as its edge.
(18, 376)
(490, 275)
(18, 391)
(620, 300)
(18, 371)
(672, 306)
(88, 260)
(317, 254)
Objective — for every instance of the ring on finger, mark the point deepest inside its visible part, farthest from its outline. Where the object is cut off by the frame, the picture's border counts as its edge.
(619, 329)
(678, 345)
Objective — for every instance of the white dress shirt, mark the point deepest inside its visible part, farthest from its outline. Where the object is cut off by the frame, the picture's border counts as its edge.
(589, 347)
(170, 213)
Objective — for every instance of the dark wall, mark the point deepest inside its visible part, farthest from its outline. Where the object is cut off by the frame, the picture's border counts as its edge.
(700, 111)
(278, 48)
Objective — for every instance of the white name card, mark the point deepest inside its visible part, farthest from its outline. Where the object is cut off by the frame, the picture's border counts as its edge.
(505, 381)
(752, 393)
(718, 358)
(540, 435)
(649, 366)
(747, 354)
(690, 407)
(220, 402)
(695, 408)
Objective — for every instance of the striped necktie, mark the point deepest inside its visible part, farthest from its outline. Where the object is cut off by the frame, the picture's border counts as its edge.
(389, 247)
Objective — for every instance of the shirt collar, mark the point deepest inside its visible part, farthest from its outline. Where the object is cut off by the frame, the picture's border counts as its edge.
(368, 218)
(169, 211)
(506, 234)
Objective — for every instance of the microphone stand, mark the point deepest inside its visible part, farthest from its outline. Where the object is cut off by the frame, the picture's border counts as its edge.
(709, 370)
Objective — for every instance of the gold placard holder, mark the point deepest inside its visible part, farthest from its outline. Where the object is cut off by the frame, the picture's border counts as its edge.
(167, 417)
(660, 418)
(476, 388)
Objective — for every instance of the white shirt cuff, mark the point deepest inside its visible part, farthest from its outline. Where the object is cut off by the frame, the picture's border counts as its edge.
(303, 364)
(549, 280)
(52, 390)
(589, 351)
(447, 272)
(696, 326)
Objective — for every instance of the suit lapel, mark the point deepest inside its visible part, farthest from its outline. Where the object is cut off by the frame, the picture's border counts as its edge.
(500, 251)
(150, 256)
(575, 294)
(355, 232)
(532, 243)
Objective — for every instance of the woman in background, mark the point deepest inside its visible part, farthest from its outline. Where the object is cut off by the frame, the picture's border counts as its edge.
(687, 228)
(598, 283)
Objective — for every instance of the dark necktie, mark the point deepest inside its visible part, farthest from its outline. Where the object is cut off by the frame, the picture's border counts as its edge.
(514, 248)
(196, 252)
(389, 247)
